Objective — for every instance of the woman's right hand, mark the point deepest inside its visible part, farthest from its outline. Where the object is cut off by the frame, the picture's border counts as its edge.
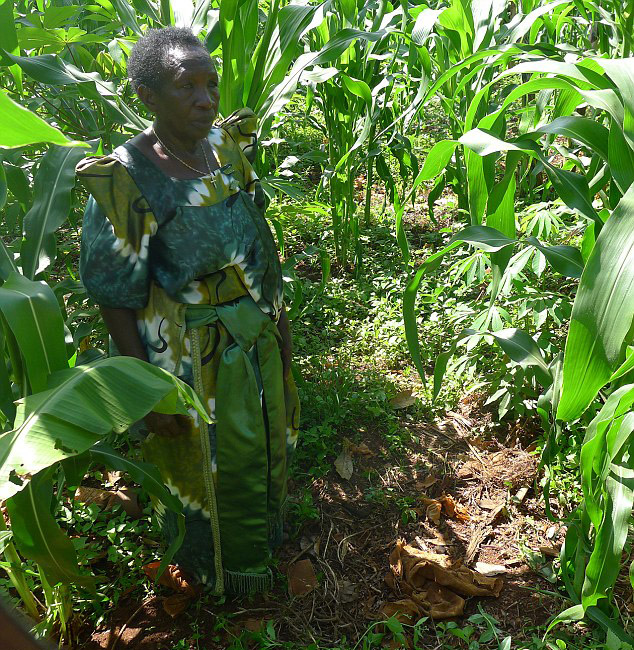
(166, 425)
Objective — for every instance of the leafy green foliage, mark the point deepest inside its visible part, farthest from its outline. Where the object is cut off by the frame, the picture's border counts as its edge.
(535, 150)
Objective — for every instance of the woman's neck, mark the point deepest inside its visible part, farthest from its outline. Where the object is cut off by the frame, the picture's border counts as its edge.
(175, 143)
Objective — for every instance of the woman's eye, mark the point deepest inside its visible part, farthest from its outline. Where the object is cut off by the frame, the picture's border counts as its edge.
(188, 85)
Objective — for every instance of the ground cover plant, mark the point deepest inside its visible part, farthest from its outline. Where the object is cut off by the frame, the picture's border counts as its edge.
(450, 185)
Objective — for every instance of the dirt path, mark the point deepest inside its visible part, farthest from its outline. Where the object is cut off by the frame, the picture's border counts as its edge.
(496, 521)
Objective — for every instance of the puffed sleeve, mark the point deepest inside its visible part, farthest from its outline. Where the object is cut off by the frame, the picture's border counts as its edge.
(242, 128)
(117, 227)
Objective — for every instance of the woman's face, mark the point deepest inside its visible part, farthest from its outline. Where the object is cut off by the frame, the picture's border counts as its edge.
(187, 103)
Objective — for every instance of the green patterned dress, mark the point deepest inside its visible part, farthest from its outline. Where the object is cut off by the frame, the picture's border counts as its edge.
(197, 261)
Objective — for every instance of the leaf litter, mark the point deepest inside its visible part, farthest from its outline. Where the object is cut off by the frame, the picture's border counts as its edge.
(348, 545)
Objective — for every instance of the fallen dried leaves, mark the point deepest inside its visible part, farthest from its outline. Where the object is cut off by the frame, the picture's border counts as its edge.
(402, 400)
(344, 463)
(433, 586)
(301, 578)
(174, 579)
(108, 499)
(446, 505)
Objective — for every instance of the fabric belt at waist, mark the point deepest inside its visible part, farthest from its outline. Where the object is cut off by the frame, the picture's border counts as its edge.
(244, 320)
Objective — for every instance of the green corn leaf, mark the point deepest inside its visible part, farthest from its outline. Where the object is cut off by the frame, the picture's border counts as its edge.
(85, 404)
(409, 321)
(437, 159)
(20, 127)
(622, 73)
(7, 263)
(605, 561)
(588, 242)
(589, 132)
(127, 15)
(523, 350)
(484, 143)
(359, 88)
(75, 468)
(9, 39)
(626, 366)
(6, 536)
(566, 260)
(573, 190)
(595, 452)
(424, 25)
(3, 186)
(18, 183)
(440, 366)
(483, 237)
(574, 613)
(620, 158)
(602, 313)
(38, 536)
(525, 23)
(32, 312)
(607, 100)
(6, 392)
(51, 69)
(500, 211)
(616, 636)
(51, 205)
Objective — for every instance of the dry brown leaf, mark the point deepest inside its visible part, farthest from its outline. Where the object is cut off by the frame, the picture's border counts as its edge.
(435, 585)
(396, 564)
(128, 499)
(405, 610)
(343, 462)
(301, 578)
(550, 551)
(177, 604)
(114, 477)
(490, 569)
(172, 577)
(361, 450)
(347, 592)
(462, 580)
(439, 602)
(93, 495)
(253, 624)
(433, 511)
(453, 509)
(427, 482)
(489, 504)
(108, 499)
(402, 400)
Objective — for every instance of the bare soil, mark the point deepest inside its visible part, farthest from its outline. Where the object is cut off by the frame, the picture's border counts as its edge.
(360, 521)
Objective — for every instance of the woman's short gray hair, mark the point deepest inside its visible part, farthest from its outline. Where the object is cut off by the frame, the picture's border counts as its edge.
(148, 59)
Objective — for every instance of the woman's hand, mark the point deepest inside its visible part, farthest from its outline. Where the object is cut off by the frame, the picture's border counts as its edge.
(166, 425)
(286, 350)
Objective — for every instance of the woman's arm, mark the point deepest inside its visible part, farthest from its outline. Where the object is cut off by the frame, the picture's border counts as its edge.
(284, 327)
(121, 324)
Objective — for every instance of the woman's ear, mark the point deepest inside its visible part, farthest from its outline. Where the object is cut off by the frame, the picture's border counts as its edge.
(147, 96)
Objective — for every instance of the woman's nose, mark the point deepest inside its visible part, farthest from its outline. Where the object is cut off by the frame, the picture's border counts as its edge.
(203, 98)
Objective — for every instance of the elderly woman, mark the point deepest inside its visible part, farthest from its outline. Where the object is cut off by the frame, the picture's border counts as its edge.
(177, 253)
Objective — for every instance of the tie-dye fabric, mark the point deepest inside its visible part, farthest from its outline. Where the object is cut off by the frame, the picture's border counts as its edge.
(171, 250)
